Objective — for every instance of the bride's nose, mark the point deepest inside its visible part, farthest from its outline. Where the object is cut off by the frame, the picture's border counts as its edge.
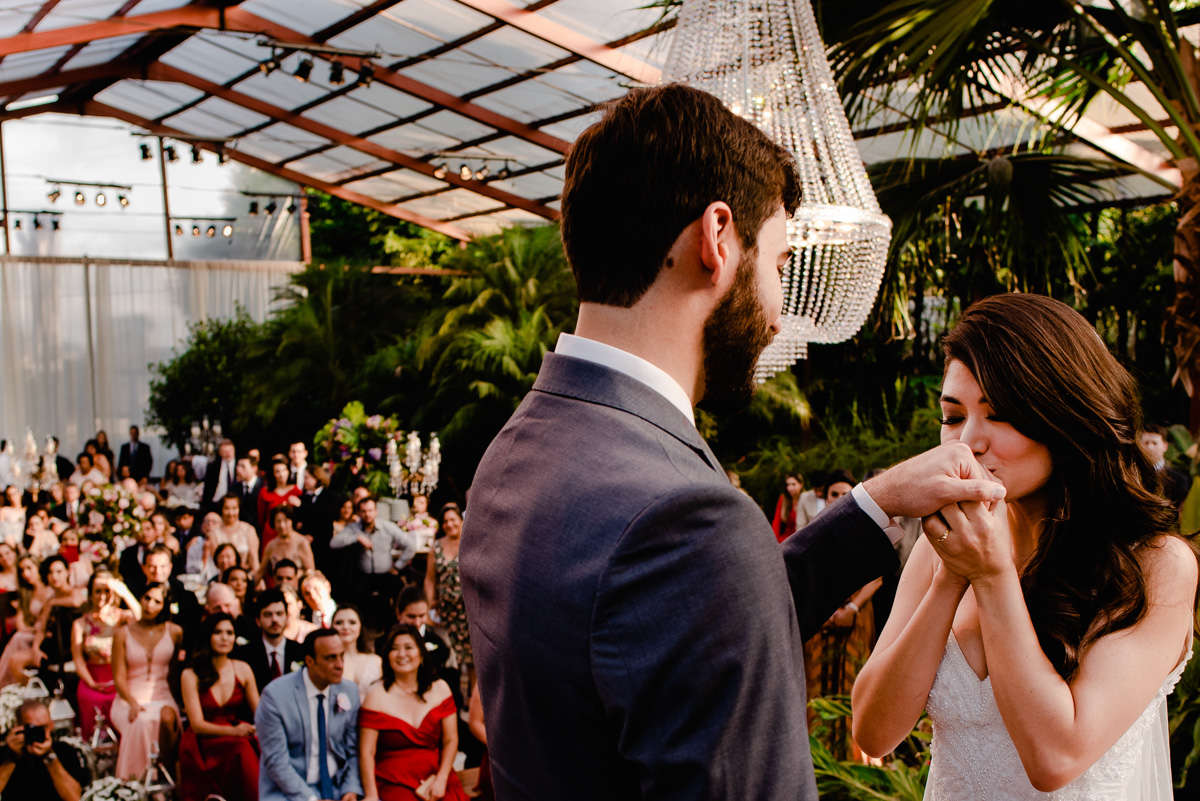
(974, 434)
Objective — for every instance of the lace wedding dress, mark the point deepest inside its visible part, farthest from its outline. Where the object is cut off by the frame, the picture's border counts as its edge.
(974, 758)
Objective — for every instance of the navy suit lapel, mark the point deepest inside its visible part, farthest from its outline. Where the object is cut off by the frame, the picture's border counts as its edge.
(595, 383)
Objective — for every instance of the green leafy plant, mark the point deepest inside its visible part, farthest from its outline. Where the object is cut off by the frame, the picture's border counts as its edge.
(901, 777)
(357, 443)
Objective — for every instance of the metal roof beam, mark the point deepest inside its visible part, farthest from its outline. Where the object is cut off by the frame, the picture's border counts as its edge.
(37, 83)
(566, 39)
(97, 109)
(184, 17)
(165, 72)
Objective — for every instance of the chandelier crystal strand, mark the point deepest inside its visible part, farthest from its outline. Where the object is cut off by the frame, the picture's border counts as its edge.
(766, 61)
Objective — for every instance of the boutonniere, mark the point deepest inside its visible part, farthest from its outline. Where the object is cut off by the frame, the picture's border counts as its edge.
(241, 641)
(175, 608)
(430, 646)
(343, 702)
(296, 665)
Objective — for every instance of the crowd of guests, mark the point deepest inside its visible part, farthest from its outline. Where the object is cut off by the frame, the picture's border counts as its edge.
(261, 632)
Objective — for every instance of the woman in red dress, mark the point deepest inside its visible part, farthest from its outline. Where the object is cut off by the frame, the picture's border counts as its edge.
(408, 729)
(785, 508)
(281, 491)
(218, 754)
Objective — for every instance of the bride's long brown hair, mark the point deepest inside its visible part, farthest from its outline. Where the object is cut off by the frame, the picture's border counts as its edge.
(1046, 371)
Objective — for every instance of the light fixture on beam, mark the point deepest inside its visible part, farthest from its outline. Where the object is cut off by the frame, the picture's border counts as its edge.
(54, 224)
(291, 209)
(170, 153)
(337, 73)
(481, 173)
(464, 172)
(505, 172)
(227, 231)
(80, 198)
(440, 171)
(196, 156)
(271, 207)
(178, 229)
(54, 194)
(253, 208)
(366, 75)
(101, 199)
(303, 70)
(123, 200)
(37, 223)
(211, 231)
(146, 152)
(195, 230)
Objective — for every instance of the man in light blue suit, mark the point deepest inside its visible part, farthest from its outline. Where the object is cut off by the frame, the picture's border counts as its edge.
(307, 724)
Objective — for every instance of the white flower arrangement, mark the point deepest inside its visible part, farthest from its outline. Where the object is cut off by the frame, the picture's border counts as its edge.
(11, 698)
(110, 788)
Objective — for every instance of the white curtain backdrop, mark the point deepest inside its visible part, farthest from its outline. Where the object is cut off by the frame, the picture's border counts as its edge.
(77, 337)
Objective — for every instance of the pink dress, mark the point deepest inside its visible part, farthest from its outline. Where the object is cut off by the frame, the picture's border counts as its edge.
(147, 679)
(97, 651)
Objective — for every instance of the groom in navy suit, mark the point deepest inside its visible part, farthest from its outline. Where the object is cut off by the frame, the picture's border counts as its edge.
(307, 726)
(637, 631)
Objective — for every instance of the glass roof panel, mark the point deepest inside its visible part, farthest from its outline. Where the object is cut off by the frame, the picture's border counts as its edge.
(570, 128)
(279, 141)
(216, 117)
(397, 183)
(101, 51)
(336, 164)
(349, 115)
(209, 57)
(651, 49)
(521, 152)
(381, 96)
(31, 63)
(306, 16)
(518, 217)
(455, 125)
(480, 226)
(282, 89)
(449, 204)
(415, 139)
(380, 32)
(452, 73)
(148, 98)
(12, 20)
(150, 6)
(440, 20)
(529, 101)
(511, 49)
(79, 12)
(602, 22)
(586, 81)
(534, 185)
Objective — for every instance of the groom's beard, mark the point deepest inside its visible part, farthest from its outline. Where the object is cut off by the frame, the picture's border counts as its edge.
(735, 334)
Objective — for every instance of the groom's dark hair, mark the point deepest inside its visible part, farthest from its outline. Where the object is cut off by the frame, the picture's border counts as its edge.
(647, 170)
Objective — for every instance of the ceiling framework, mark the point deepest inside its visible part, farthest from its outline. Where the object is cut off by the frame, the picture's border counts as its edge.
(455, 115)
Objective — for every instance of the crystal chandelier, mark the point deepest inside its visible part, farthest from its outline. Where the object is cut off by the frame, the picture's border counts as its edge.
(417, 472)
(766, 61)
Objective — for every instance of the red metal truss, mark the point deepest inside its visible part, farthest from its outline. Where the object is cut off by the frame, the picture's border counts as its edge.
(563, 37)
(49, 80)
(164, 72)
(236, 19)
(97, 109)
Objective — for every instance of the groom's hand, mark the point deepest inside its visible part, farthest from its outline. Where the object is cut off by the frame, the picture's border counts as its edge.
(932, 480)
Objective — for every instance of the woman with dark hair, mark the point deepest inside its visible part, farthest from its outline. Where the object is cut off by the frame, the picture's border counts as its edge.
(218, 754)
(408, 728)
(784, 522)
(443, 588)
(224, 557)
(286, 544)
(104, 449)
(144, 712)
(23, 648)
(179, 486)
(277, 491)
(1043, 634)
(362, 667)
(92, 637)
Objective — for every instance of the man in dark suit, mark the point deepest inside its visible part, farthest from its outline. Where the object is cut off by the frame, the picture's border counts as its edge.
(129, 565)
(247, 488)
(71, 510)
(636, 631)
(64, 466)
(220, 478)
(1175, 483)
(136, 455)
(270, 655)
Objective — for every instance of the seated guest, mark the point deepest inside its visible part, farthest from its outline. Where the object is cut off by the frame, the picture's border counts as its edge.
(144, 713)
(280, 494)
(86, 472)
(218, 754)
(92, 644)
(224, 557)
(297, 628)
(8, 567)
(58, 613)
(409, 732)
(412, 609)
(247, 489)
(70, 511)
(182, 606)
(24, 647)
(164, 529)
(362, 667)
(270, 655)
(130, 565)
(238, 580)
(33, 766)
(306, 713)
(219, 599)
(285, 574)
(94, 553)
(179, 487)
(240, 534)
(287, 544)
(12, 517)
(319, 605)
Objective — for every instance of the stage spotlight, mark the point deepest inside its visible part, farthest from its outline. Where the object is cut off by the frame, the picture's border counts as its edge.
(481, 173)
(195, 230)
(270, 65)
(54, 194)
(365, 76)
(303, 70)
(337, 73)
(227, 230)
(271, 207)
(17, 224)
(80, 199)
(505, 172)
(291, 209)
(440, 171)
(178, 229)
(196, 157)
(211, 231)
(123, 200)
(172, 156)
(101, 199)
(253, 208)
(146, 152)
(221, 157)
(464, 172)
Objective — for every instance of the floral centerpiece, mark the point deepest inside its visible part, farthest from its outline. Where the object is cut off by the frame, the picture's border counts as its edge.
(112, 511)
(356, 444)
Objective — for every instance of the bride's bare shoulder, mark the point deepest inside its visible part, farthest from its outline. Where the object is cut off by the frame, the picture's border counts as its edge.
(1171, 569)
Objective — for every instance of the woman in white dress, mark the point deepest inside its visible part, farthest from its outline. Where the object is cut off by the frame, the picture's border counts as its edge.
(1043, 634)
(362, 667)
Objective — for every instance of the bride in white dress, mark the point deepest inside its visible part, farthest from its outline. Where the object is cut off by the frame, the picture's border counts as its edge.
(1044, 634)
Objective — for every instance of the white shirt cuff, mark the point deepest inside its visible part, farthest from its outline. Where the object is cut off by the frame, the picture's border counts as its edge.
(868, 505)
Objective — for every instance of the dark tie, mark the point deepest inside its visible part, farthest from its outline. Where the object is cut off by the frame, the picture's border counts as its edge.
(324, 783)
(275, 671)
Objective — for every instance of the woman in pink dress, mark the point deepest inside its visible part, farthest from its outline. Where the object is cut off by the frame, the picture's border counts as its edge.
(144, 712)
(218, 754)
(92, 644)
(408, 728)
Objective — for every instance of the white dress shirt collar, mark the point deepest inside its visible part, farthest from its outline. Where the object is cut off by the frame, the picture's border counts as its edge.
(633, 366)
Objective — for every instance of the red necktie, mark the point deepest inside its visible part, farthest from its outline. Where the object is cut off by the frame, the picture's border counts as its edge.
(275, 671)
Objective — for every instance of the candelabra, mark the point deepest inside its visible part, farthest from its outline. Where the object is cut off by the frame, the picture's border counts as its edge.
(417, 472)
(204, 438)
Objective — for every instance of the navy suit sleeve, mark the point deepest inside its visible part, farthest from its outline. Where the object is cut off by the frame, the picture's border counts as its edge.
(696, 654)
(831, 558)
